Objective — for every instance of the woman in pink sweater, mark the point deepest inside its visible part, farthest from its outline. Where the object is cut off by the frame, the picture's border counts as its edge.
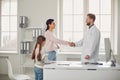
(51, 41)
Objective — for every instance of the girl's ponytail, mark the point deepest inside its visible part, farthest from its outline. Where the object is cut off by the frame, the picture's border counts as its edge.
(40, 39)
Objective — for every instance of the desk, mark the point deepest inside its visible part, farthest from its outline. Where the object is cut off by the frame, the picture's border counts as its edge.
(69, 70)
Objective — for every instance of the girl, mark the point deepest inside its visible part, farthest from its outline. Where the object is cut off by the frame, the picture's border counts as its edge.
(39, 58)
(51, 41)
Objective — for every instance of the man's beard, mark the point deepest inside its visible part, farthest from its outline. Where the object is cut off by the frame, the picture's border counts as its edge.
(88, 24)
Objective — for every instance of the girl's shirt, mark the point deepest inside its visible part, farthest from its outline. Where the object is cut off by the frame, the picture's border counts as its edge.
(52, 42)
(40, 64)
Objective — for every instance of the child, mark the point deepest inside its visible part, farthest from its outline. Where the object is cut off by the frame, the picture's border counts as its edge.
(39, 57)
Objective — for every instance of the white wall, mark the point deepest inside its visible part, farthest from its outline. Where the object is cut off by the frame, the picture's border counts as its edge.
(38, 11)
(119, 26)
(118, 36)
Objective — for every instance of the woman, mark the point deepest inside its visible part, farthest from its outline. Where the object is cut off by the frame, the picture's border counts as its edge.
(51, 41)
(39, 58)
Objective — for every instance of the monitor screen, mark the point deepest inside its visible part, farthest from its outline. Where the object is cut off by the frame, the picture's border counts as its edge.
(107, 49)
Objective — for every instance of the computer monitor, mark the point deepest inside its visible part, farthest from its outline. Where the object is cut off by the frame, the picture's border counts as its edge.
(107, 49)
(108, 52)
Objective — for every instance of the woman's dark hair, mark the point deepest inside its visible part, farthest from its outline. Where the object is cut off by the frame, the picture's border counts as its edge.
(49, 21)
(40, 39)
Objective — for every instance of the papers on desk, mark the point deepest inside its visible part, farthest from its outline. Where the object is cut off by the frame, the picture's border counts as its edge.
(63, 63)
(70, 64)
(73, 64)
(76, 64)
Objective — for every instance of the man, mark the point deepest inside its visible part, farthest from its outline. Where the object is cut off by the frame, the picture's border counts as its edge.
(90, 43)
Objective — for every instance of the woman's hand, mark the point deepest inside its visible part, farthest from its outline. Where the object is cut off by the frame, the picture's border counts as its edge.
(87, 57)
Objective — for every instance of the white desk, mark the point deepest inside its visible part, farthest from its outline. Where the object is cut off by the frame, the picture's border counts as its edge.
(64, 70)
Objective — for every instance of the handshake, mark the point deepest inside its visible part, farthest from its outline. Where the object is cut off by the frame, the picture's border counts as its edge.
(71, 44)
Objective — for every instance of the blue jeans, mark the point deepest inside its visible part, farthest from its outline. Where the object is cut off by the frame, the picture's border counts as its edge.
(38, 73)
(52, 55)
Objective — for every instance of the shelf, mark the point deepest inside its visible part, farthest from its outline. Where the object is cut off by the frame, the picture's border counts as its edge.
(27, 40)
(26, 61)
(30, 54)
(29, 28)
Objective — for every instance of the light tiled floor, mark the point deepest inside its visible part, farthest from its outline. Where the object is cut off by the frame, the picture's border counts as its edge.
(4, 77)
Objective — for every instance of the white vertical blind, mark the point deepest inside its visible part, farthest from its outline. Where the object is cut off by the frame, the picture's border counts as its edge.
(8, 36)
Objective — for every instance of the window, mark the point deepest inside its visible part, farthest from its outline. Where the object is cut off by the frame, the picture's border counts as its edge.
(72, 19)
(8, 25)
(73, 15)
(102, 9)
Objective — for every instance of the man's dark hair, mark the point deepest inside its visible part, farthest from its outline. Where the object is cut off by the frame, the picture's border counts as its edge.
(91, 16)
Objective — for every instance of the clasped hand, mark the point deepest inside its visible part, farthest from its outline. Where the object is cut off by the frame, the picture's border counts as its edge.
(71, 44)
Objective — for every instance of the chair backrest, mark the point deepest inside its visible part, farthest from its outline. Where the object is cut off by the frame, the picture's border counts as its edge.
(10, 72)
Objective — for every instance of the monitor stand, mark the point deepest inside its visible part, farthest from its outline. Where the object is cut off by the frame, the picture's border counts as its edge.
(113, 60)
(113, 63)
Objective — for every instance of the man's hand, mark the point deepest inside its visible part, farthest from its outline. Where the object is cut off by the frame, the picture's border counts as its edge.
(87, 57)
(71, 44)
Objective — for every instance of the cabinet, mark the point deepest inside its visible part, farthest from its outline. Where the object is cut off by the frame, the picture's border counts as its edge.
(28, 40)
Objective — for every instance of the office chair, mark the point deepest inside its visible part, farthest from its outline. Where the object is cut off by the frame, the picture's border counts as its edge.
(15, 76)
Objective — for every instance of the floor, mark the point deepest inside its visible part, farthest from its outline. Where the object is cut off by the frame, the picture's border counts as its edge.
(4, 77)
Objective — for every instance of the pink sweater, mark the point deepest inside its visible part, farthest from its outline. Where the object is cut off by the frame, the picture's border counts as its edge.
(52, 42)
